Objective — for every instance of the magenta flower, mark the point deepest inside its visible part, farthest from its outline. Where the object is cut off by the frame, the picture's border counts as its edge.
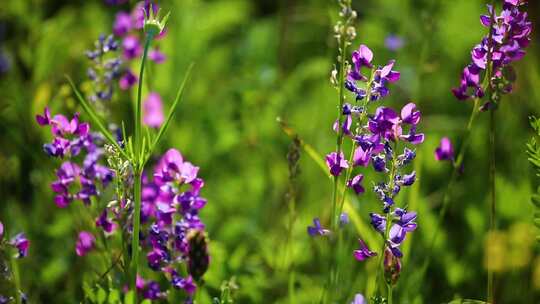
(85, 243)
(21, 243)
(1, 231)
(336, 163)
(363, 252)
(444, 151)
(156, 56)
(132, 47)
(153, 111)
(122, 24)
(127, 80)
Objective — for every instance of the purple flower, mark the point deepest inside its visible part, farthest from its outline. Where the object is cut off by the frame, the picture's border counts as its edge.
(1, 231)
(363, 253)
(132, 47)
(85, 243)
(103, 222)
(21, 243)
(153, 111)
(156, 56)
(122, 24)
(343, 219)
(393, 42)
(410, 115)
(360, 58)
(359, 299)
(186, 284)
(128, 80)
(444, 151)
(44, 119)
(407, 179)
(385, 123)
(317, 229)
(356, 184)
(336, 163)
(378, 222)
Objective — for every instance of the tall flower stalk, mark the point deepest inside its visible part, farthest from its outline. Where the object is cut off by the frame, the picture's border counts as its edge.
(508, 36)
(375, 139)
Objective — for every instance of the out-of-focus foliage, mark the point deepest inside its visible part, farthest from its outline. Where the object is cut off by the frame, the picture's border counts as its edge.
(256, 61)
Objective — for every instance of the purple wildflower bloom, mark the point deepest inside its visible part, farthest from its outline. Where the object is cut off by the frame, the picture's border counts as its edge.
(132, 47)
(359, 299)
(1, 231)
(360, 58)
(378, 222)
(444, 151)
(21, 243)
(85, 243)
(317, 229)
(336, 163)
(343, 219)
(186, 284)
(156, 56)
(107, 225)
(153, 111)
(408, 179)
(393, 42)
(363, 253)
(122, 24)
(128, 80)
(356, 184)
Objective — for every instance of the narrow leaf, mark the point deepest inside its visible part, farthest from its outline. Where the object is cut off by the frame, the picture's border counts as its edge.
(171, 111)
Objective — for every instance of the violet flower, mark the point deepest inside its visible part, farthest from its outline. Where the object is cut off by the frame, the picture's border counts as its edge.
(317, 229)
(21, 243)
(444, 151)
(359, 299)
(336, 163)
(153, 111)
(363, 253)
(85, 243)
(356, 184)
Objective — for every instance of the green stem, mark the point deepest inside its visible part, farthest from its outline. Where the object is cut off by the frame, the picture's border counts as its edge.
(136, 230)
(138, 169)
(16, 278)
(492, 214)
(390, 293)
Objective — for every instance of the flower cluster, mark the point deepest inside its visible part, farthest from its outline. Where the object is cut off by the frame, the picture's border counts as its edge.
(376, 138)
(509, 34)
(77, 179)
(171, 205)
(105, 69)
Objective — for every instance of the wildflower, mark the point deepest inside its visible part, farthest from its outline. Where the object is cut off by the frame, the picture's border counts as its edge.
(105, 67)
(505, 43)
(336, 163)
(360, 58)
(156, 56)
(1, 231)
(363, 252)
(359, 299)
(184, 283)
(393, 42)
(355, 184)
(21, 243)
(85, 243)
(317, 229)
(153, 111)
(128, 80)
(343, 219)
(122, 24)
(444, 151)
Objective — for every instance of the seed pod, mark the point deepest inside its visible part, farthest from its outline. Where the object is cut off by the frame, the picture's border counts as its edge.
(198, 257)
(392, 267)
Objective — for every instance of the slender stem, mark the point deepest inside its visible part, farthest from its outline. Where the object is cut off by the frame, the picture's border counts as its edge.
(492, 210)
(138, 111)
(390, 293)
(137, 168)
(16, 278)
(136, 230)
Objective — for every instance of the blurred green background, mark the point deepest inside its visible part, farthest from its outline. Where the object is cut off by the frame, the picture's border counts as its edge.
(255, 61)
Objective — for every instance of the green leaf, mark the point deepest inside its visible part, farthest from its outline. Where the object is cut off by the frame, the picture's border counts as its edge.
(164, 127)
(129, 297)
(89, 292)
(101, 296)
(95, 118)
(537, 222)
(114, 296)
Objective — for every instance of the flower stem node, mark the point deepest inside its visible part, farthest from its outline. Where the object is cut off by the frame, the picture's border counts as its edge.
(153, 23)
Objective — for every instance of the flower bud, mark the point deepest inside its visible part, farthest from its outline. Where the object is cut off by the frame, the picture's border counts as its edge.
(198, 257)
